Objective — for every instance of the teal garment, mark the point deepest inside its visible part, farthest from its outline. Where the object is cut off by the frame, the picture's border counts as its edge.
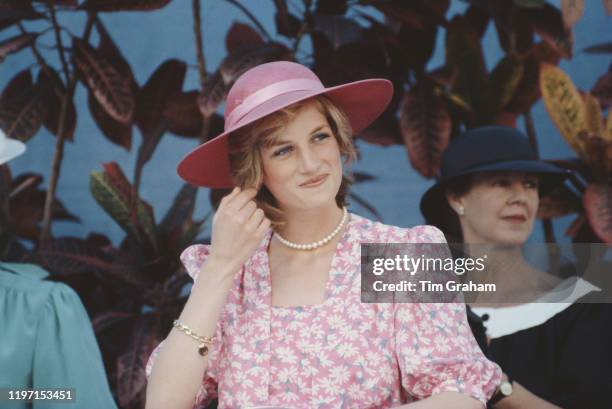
(47, 341)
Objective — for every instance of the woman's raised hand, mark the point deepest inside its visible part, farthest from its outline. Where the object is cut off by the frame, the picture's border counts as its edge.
(238, 228)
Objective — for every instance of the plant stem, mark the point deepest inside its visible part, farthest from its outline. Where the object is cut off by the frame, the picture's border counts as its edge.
(197, 31)
(531, 132)
(547, 226)
(45, 233)
(197, 28)
(58, 40)
(37, 55)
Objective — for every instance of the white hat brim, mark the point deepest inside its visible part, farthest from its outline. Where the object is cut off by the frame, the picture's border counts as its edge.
(12, 148)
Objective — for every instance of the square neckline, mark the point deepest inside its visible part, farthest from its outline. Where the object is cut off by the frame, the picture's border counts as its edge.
(327, 296)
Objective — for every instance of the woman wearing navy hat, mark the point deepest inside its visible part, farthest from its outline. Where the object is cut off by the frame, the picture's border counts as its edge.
(552, 353)
(275, 316)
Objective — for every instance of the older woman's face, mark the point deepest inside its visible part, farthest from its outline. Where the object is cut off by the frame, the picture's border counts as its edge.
(303, 169)
(499, 208)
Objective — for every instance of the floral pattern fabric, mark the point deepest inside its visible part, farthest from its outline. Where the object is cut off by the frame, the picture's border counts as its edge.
(341, 353)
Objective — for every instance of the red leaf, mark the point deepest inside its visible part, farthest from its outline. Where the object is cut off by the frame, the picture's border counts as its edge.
(561, 201)
(123, 5)
(183, 115)
(14, 44)
(238, 62)
(338, 29)
(53, 92)
(109, 50)
(528, 90)
(603, 90)
(18, 9)
(21, 107)
(426, 127)
(213, 94)
(548, 23)
(505, 118)
(131, 376)
(116, 132)
(384, 131)
(165, 82)
(241, 35)
(109, 86)
(597, 202)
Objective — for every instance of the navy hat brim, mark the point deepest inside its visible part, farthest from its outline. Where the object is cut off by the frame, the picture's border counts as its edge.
(435, 208)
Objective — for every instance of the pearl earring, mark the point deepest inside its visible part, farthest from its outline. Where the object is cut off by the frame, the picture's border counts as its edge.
(461, 210)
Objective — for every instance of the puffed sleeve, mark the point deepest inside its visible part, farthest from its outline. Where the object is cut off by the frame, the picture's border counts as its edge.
(67, 354)
(193, 258)
(435, 348)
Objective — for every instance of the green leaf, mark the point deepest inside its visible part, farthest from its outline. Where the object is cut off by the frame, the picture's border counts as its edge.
(464, 52)
(501, 86)
(115, 195)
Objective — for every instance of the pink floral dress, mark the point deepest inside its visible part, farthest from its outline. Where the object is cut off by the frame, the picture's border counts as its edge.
(341, 353)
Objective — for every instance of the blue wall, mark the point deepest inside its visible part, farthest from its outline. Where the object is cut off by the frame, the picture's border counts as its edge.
(147, 39)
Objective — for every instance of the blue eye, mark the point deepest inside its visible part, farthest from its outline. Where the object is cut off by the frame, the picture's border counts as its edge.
(321, 136)
(282, 151)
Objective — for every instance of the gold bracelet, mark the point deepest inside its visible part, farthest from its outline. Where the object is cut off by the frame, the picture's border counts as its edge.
(204, 341)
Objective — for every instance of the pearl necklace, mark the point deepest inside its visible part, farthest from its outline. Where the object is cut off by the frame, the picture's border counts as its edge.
(316, 244)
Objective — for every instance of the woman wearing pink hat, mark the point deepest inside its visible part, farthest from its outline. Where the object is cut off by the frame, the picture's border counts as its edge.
(275, 315)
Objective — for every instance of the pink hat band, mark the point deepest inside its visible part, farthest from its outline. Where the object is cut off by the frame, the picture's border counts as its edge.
(268, 88)
(266, 93)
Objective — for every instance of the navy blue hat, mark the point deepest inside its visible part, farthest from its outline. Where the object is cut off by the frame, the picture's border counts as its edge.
(485, 149)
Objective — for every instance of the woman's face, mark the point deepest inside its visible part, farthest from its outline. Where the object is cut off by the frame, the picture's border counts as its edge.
(499, 208)
(303, 169)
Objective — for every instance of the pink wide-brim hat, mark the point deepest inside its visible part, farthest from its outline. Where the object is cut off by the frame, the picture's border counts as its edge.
(267, 88)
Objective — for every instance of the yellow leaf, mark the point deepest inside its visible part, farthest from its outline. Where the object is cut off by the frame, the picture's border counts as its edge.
(564, 105)
(593, 118)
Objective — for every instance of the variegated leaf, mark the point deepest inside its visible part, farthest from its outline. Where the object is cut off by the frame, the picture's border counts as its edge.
(212, 95)
(501, 86)
(598, 153)
(548, 23)
(115, 195)
(559, 202)
(131, 378)
(53, 92)
(592, 115)
(115, 131)
(564, 104)
(603, 89)
(110, 88)
(464, 52)
(14, 44)
(426, 126)
(240, 61)
(21, 107)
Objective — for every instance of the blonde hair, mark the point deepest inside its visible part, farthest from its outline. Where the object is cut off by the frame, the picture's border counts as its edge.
(245, 151)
